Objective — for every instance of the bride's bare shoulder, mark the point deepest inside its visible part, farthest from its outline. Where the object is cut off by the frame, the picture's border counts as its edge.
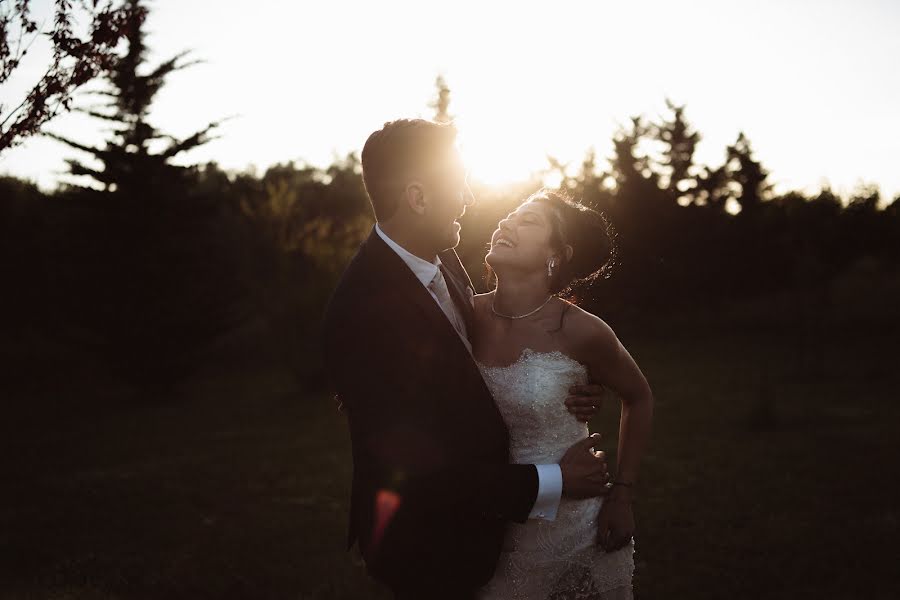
(586, 331)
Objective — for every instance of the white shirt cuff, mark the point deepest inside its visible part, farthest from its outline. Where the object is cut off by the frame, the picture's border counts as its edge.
(549, 492)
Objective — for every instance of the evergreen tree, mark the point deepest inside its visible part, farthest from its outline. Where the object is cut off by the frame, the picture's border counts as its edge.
(713, 189)
(129, 167)
(749, 174)
(630, 166)
(679, 140)
(165, 282)
(441, 102)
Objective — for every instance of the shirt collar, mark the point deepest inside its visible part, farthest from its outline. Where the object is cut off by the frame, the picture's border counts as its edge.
(422, 269)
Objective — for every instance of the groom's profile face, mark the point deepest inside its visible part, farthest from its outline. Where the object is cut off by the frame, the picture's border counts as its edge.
(447, 194)
(415, 178)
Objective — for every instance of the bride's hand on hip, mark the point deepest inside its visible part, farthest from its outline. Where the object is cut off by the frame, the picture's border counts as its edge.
(615, 523)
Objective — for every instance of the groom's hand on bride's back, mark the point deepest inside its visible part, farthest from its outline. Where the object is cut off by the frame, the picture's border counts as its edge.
(584, 470)
(584, 401)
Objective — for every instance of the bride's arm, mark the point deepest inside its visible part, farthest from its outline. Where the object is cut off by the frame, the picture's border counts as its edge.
(611, 363)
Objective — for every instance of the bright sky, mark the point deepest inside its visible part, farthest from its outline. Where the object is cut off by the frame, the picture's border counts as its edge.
(813, 83)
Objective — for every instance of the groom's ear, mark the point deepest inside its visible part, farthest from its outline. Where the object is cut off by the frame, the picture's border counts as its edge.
(415, 197)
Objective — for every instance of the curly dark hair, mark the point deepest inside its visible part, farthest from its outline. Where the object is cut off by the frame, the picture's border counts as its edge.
(591, 235)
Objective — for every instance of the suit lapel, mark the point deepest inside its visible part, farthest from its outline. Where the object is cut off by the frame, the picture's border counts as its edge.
(459, 287)
(394, 273)
(388, 270)
(461, 302)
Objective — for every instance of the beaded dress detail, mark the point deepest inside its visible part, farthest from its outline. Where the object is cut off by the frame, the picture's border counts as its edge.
(559, 559)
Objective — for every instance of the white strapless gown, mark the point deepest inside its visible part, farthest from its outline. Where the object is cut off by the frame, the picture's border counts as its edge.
(559, 559)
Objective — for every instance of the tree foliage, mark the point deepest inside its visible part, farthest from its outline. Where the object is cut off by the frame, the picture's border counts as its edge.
(441, 102)
(136, 160)
(165, 266)
(76, 57)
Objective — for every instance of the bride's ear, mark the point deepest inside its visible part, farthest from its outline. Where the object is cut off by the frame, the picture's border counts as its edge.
(414, 194)
(569, 252)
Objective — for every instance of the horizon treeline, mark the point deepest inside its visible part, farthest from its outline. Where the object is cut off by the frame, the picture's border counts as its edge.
(156, 270)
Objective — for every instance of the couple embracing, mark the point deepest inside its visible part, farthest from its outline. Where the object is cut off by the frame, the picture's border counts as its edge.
(474, 472)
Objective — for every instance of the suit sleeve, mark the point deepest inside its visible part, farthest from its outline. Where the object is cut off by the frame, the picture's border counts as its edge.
(400, 443)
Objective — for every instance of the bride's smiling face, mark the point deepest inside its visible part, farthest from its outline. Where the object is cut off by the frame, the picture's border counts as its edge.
(521, 241)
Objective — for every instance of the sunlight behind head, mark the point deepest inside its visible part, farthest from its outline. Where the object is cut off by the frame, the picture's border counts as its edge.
(417, 184)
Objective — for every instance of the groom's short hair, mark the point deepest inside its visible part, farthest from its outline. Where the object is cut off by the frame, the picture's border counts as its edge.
(398, 149)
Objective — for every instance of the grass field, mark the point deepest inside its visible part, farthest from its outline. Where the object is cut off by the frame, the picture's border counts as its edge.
(772, 474)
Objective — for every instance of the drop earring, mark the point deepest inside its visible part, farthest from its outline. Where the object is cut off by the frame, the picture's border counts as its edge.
(550, 264)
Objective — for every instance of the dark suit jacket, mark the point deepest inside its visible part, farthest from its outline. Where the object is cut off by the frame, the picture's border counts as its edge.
(432, 485)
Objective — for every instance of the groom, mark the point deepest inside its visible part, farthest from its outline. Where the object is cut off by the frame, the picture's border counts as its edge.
(432, 486)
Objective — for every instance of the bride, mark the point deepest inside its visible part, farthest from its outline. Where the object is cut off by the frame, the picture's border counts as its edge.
(531, 346)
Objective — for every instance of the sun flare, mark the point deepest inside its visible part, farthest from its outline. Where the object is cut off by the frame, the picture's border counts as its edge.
(496, 155)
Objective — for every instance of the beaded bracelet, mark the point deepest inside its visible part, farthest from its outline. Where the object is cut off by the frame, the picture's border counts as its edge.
(625, 483)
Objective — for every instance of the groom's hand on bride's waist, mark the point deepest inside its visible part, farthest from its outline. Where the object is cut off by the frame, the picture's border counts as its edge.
(584, 401)
(584, 470)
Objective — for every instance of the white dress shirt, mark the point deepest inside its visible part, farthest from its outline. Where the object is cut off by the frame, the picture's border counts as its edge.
(426, 272)
(549, 475)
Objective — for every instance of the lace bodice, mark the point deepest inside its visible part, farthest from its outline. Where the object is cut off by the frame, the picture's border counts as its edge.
(548, 559)
(530, 394)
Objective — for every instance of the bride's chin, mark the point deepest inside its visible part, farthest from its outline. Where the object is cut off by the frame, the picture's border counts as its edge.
(494, 262)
